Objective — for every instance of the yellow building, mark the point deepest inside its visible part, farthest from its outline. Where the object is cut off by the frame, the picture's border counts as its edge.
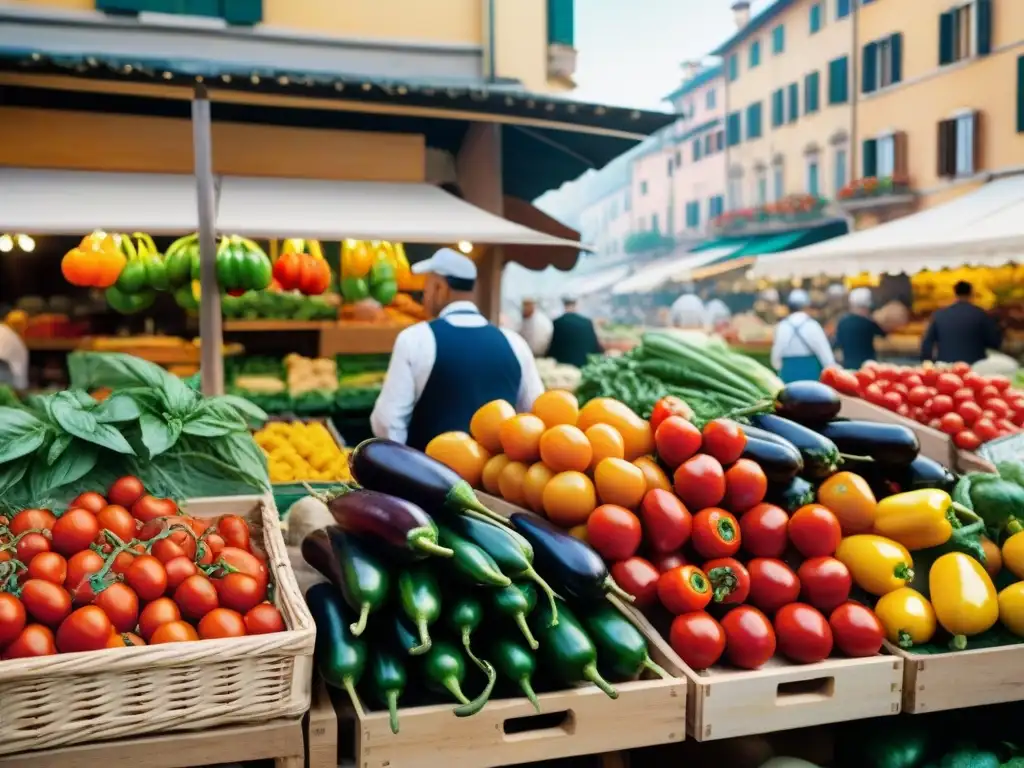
(940, 102)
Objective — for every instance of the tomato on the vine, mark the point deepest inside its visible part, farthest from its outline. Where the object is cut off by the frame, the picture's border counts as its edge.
(118, 520)
(147, 576)
(125, 640)
(212, 545)
(636, 576)
(89, 501)
(166, 550)
(121, 605)
(87, 629)
(670, 405)
(48, 566)
(697, 638)
(32, 519)
(763, 530)
(264, 619)
(148, 508)
(715, 533)
(157, 613)
(804, 635)
(196, 596)
(45, 601)
(614, 532)
(221, 622)
(81, 567)
(246, 562)
(180, 568)
(74, 531)
(684, 589)
(749, 637)
(745, 485)
(857, 630)
(30, 545)
(234, 530)
(772, 584)
(34, 640)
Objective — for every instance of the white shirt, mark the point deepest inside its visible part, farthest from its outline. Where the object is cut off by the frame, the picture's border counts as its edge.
(537, 330)
(412, 360)
(14, 352)
(810, 341)
(688, 311)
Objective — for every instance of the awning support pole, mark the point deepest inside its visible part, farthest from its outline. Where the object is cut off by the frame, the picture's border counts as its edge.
(211, 334)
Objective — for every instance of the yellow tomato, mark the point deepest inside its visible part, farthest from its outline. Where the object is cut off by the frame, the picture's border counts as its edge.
(907, 616)
(653, 474)
(605, 443)
(569, 498)
(1011, 608)
(564, 447)
(619, 482)
(636, 432)
(1013, 554)
(557, 407)
(510, 483)
(460, 452)
(492, 469)
(486, 423)
(520, 437)
(579, 531)
(536, 479)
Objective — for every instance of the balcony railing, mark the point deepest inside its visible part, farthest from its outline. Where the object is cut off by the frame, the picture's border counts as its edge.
(787, 213)
(874, 193)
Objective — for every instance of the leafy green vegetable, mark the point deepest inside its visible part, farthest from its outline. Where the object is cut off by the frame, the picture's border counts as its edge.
(1012, 471)
(999, 502)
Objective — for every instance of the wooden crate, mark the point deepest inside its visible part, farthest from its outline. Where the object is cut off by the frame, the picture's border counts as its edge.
(959, 679)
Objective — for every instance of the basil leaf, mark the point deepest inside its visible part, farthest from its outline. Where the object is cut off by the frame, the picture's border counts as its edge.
(212, 419)
(83, 398)
(91, 370)
(107, 436)
(158, 435)
(70, 416)
(21, 433)
(254, 415)
(57, 447)
(12, 472)
(71, 466)
(180, 399)
(119, 407)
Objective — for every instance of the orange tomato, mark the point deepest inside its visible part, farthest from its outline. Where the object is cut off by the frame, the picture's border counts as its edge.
(557, 407)
(619, 482)
(536, 479)
(653, 474)
(520, 437)
(636, 433)
(605, 443)
(491, 472)
(510, 483)
(460, 452)
(174, 632)
(569, 498)
(564, 447)
(485, 426)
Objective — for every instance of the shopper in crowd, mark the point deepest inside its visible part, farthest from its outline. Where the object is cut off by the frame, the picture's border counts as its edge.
(536, 327)
(13, 358)
(574, 337)
(716, 314)
(800, 350)
(443, 370)
(856, 332)
(688, 310)
(961, 332)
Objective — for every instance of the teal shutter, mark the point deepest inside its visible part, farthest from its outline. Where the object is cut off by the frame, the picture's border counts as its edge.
(869, 77)
(983, 16)
(696, 150)
(734, 67)
(778, 108)
(896, 47)
(243, 12)
(838, 81)
(137, 6)
(812, 88)
(794, 102)
(1020, 94)
(870, 154)
(561, 26)
(946, 38)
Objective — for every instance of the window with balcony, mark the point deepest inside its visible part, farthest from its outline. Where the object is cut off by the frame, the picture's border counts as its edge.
(812, 93)
(958, 145)
(754, 121)
(965, 31)
(882, 63)
(842, 9)
(779, 39)
(839, 80)
(816, 18)
(239, 12)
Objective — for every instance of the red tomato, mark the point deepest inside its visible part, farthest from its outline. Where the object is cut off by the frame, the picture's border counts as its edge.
(1007, 426)
(30, 545)
(892, 400)
(857, 630)
(32, 520)
(264, 619)
(948, 383)
(730, 581)
(245, 562)
(913, 380)
(147, 576)
(81, 567)
(963, 395)
(723, 439)
(87, 629)
(715, 533)
(998, 406)
(614, 532)
(763, 530)
(900, 388)
(918, 395)
(123, 562)
(745, 485)
(166, 550)
(196, 596)
(700, 482)
(669, 406)
(242, 592)
(804, 634)
(157, 613)
(668, 561)
(12, 618)
(234, 530)
(772, 584)
(969, 411)
(118, 520)
(951, 423)
(697, 638)
(960, 368)
(174, 632)
(636, 576)
(212, 547)
(874, 394)
(988, 392)
(676, 440)
(180, 568)
(847, 383)
(974, 380)
(125, 491)
(749, 637)
(34, 640)
(48, 566)
(815, 531)
(148, 508)
(866, 375)
(90, 501)
(967, 440)
(125, 640)
(941, 404)
(999, 382)
(825, 583)
(74, 531)
(666, 520)
(120, 604)
(46, 602)
(684, 589)
(221, 622)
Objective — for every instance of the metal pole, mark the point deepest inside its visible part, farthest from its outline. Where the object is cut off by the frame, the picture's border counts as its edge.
(211, 335)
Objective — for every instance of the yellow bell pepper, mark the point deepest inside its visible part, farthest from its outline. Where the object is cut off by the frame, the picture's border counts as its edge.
(907, 616)
(920, 519)
(1013, 554)
(963, 596)
(878, 565)
(1011, 608)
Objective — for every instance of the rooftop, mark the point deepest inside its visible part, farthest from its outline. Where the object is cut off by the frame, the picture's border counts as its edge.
(703, 77)
(758, 21)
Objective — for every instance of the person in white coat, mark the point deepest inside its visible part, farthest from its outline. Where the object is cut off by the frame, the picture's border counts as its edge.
(801, 349)
(536, 328)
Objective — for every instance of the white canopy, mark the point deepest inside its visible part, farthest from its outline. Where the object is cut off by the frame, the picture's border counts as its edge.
(672, 268)
(984, 227)
(595, 282)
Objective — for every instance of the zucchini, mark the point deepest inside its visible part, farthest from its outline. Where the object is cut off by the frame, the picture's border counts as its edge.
(820, 454)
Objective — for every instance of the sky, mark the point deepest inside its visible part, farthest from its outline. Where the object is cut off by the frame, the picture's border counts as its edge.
(630, 51)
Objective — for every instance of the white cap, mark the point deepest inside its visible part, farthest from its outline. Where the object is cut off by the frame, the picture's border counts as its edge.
(798, 299)
(860, 298)
(447, 263)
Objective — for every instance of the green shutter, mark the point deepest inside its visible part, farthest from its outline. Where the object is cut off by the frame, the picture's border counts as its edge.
(838, 81)
(778, 108)
(811, 93)
(870, 158)
(560, 22)
(896, 47)
(946, 38)
(137, 6)
(243, 12)
(983, 14)
(869, 80)
(1020, 94)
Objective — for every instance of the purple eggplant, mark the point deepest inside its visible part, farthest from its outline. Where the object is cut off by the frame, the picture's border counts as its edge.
(387, 522)
(384, 465)
(569, 565)
(318, 553)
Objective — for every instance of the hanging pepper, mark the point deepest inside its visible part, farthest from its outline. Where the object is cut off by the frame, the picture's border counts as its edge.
(921, 519)
(242, 265)
(133, 277)
(302, 267)
(178, 260)
(95, 263)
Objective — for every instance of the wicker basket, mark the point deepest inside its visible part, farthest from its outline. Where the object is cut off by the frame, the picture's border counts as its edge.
(67, 699)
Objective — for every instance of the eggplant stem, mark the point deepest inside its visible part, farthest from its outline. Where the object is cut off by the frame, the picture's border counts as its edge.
(466, 631)
(474, 706)
(359, 626)
(392, 697)
(649, 665)
(590, 673)
(425, 641)
(453, 687)
(853, 457)
(422, 539)
(351, 689)
(531, 574)
(524, 683)
(619, 592)
(463, 498)
(521, 623)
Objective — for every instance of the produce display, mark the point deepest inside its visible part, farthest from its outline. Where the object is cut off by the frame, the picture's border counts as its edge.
(277, 305)
(302, 451)
(973, 409)
(375, 269)
(459, 604)
(301, 267)
(555, 375)
(127, 569)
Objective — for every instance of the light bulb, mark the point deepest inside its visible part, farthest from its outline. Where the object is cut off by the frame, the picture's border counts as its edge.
(6, 244)
(465, 246)
(26, 243)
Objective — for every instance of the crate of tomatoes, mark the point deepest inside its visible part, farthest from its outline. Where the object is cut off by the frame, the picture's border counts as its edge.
(125, 614)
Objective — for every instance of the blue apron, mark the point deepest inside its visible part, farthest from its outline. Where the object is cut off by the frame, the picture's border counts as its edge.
(473, 366)
(801, 367)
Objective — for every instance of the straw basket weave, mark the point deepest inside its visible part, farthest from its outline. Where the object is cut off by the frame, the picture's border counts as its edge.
(72, 698)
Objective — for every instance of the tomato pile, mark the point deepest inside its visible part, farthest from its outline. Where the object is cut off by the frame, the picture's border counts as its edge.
(971, 408)
(742, 578)
(127, 569)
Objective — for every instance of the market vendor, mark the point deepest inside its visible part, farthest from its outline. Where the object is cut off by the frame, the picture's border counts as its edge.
(856, 332)
(13, 357)
(688, 310)
(962, 332)
(800, 350)
(573, 337)
(443, 370)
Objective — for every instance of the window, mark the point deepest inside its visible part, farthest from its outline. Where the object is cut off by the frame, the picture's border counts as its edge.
(779, 39)
(643, 188)
(839, 80)
(965, 31)
(794, 102)
(839, 180)
(240, 12)
(679, 158)
(754, 56)
(882, 63)
(693, 215)
(778, 182)
(654, 223)
(957, 142)
(842, 9)
(885, 164)
(812, 93)
(812, 175)
(696, 150)
(735, 194)
(762, 188)
(719, 141)
(885, 155)
(733, 67)
(816, 18)
(670, 162)
(716, 206)
(734, 129)
(710, 98)
(778, 108)
(708, 145)
(754, 121)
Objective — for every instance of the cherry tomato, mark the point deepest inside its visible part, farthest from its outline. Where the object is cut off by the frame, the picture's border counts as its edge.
(913, 380)
(951, 423)
(246, 562)
(125, 491)
(614, 532)
(749, 637)
(967, 440)
(857, 630)
(166, 550)
(918, 395)
(974, 380)
(213, 545)
(998, 406)
(900, 388)
(234, 530)
(985, 429)
(118, 521)
(34, 640)
(87, 629)
(180, 568)
(668, 561)
(12, 618)
(148, 508)
(676, 440)
(948, 383)
(157, 613)
(684, 589)
(122, 562)
(125, 640)
(196, 596)
(666, 521)
(241, 592)
(121, 605)
(264, 619)
(730, 581)
(815, 531)
(804, 635)
(700, 482)
(999, 382)
(745, 485)
(48, 566)
(715, 533)
(970, 412)
(81, 566)
(697, 638)
(74, 531)
(669, 406)
(221, 622)
(825, 583)
(32, 520)
(772, 584)
(89, 501)
(30, 545)
(147, 576)
(724, 440)
(960, 368)
(873, 394)
(46, 602)
(763, 530)
(892, 400)
(174, 632)
(988, 392)
(941, 404)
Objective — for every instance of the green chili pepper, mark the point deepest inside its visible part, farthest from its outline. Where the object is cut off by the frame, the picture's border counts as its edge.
(132, 278)
(621, 648)
(514, 662)
(129, 303)
(365, 581)
(388, 680)
(404, 633)
(444, 670)
(566, 649)
(471, 563)
(463, 617)
(511, 602)
(156, 272)
(420, 598)
(340, 656)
